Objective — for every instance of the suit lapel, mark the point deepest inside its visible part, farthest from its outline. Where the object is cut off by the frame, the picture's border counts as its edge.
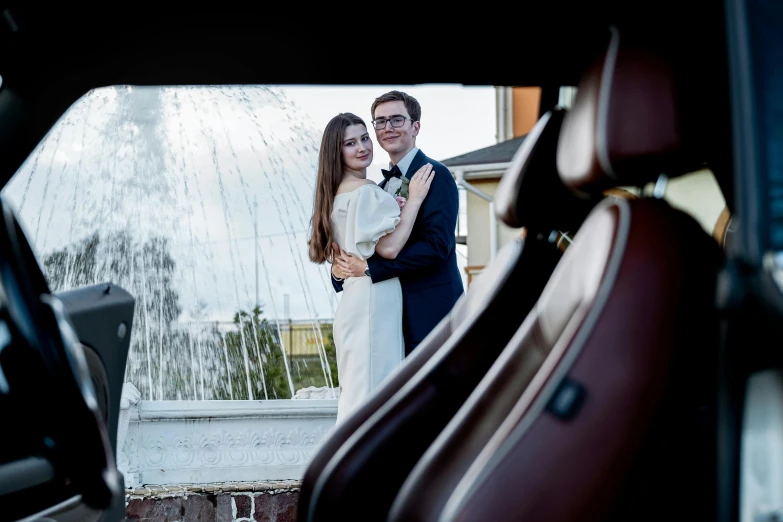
(418, 160)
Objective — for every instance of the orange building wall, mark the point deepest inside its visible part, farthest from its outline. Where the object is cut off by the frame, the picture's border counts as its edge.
(525, 103)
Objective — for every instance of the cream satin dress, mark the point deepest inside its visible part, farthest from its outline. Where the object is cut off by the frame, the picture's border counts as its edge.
(368, 321)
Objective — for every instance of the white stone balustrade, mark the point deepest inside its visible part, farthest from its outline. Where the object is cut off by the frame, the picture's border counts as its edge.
(192, 442)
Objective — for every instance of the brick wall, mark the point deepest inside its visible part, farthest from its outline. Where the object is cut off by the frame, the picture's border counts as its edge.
(246, 502)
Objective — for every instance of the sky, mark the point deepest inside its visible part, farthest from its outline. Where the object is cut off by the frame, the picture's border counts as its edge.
(455, 119)
(225, 175)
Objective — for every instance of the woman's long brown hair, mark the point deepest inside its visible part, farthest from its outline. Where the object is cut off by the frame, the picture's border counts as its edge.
(330, 173)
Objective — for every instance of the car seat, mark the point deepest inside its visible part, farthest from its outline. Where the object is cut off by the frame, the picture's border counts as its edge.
(602, 405)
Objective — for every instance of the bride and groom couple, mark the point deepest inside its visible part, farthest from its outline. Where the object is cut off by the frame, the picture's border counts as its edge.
(392, 245)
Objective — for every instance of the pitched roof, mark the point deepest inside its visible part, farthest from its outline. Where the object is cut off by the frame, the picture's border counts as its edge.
(503, 152)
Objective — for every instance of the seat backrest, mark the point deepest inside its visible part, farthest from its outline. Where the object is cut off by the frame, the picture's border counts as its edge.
(603, 375)
(598, 396)
(722, 227)
(370, 454)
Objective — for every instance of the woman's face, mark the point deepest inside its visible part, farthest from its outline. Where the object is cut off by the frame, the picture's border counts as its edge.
(357, 147)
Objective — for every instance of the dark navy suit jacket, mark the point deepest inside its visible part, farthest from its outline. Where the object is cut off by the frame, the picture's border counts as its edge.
(427, 264)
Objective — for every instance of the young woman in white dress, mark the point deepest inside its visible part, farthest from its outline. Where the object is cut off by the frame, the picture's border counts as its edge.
(363, 220)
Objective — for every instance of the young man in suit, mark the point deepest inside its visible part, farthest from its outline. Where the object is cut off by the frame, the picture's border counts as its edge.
(427, 265)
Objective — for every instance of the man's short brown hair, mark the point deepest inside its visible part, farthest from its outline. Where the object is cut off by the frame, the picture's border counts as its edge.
(411, 103)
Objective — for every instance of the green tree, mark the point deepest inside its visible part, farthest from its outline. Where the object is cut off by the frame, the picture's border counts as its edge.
(73, 267)
(145, 270)
(171, 362)
(255, 338)
(266, 364)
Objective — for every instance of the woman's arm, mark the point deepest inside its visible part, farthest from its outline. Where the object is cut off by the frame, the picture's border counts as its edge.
(390, 245)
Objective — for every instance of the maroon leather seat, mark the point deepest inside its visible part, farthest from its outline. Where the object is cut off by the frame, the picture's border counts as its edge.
(601, 406)
(371, 453)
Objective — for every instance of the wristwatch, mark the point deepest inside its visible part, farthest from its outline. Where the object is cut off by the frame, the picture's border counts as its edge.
(367, 270)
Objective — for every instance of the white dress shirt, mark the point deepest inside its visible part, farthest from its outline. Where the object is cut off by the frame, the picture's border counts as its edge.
(394, 183)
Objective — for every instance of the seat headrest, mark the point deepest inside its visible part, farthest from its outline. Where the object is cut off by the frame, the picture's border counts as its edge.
(625, 126)
(530, 193)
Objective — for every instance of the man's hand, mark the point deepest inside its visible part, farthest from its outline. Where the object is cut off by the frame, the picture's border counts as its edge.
(345, 265)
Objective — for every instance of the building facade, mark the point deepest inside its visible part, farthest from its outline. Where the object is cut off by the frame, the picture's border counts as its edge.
(478, 174)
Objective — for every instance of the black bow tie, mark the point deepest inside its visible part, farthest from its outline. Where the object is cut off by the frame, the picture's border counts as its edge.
(393, 173)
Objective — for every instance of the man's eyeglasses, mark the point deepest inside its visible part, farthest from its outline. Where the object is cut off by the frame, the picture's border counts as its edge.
(396, 121)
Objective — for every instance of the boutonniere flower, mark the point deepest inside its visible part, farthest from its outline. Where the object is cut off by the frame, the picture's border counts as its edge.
(403, 190)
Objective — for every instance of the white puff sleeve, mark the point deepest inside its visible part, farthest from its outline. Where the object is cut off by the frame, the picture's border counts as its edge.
(372, 213)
